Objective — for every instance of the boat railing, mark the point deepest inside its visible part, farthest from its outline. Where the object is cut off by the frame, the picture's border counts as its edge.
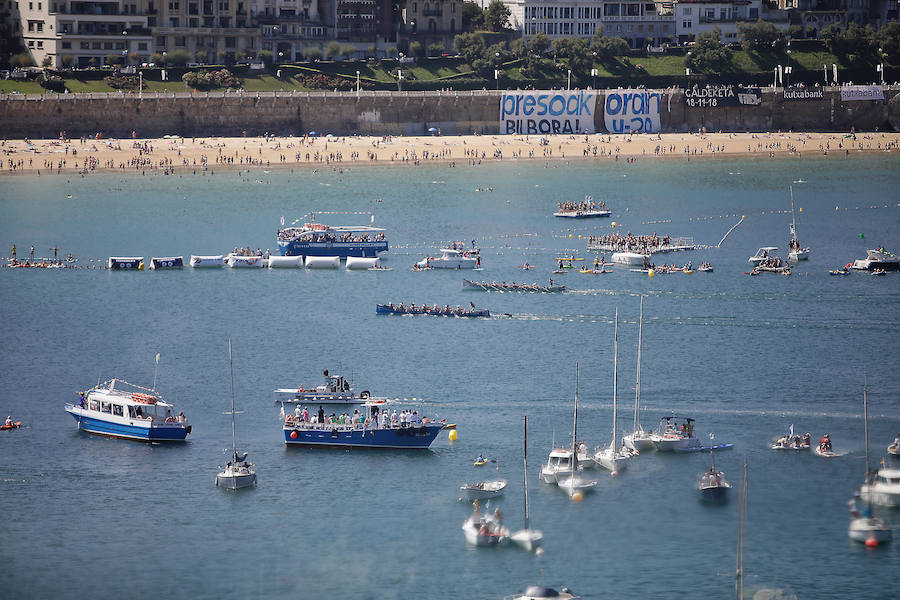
(290, 421)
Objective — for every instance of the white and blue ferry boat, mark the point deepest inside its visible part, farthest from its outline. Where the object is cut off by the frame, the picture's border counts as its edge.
(120, 409)
(373, 430)
(318, 239)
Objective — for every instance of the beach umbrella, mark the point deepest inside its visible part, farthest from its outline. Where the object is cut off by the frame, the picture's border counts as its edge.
(432, 130)
(313, 133)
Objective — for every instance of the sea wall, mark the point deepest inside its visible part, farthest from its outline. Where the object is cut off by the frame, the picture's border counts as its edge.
(393, 113)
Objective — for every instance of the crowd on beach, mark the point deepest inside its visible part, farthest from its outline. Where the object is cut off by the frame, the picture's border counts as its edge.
(199, 155)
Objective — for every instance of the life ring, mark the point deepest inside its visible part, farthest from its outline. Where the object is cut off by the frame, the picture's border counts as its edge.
(170, 419)
(300, 390)
(289, 420)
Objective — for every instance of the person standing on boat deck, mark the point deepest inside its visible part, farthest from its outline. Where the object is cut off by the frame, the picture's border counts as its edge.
(305, 415)
(321, 414)
(9, 421)
(181, 417)
(297, 411)
(32, 252)
(14, 251)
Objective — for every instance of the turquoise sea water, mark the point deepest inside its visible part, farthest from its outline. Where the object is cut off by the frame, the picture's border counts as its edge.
(746, 356)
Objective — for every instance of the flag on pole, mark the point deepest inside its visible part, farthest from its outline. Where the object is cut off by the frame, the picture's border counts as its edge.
(157, 358)
(792, 429)
(282, 220)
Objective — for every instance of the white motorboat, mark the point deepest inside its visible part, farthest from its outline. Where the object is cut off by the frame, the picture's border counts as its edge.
(539, 592)
(883, 488)
(712, 483)
(638, 440)
(894, 448)
(866, 527)
(237, 473)
(207, 261)
(527, 537)
(630, 258)
(451, 258)
(796, 252)
(763, 254)
(559, 461)
(482, 490)
(485, 529)
(573, 481)
(676, 434)
(614, 458)
(878, 258)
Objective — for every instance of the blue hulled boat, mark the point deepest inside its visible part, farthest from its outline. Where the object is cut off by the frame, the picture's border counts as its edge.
(372, 430)
(318, 239)
(129, 412)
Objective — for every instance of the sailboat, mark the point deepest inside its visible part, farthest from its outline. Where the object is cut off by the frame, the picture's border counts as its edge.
(238, 473)
(795, 252)
(612, 457)
(572, 480)
(866, 527)
(712, 484)
(528, 538)
(638, 440)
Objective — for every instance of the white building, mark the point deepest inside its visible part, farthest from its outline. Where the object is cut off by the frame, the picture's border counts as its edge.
(636, 22)
(693, 17)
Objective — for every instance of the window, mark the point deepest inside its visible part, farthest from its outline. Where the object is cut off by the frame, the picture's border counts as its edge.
(142, 46)
(95, 405)
(40, 26)
(117, 410)
(107, 45)
(686, 11)
(95, 45)
(230, 42)
(67, 45)
(179, 41)
(754, 13)
(85, 45)
(173, 6)
(40, 45)
(31, 26)
(173, 21)
(105, 407)
(452, 9)
(161, 41)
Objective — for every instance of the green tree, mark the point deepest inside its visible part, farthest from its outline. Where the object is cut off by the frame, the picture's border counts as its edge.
(46, 62)
(268, 57)
(709, 55)
(761, 35)
(470, 46)
(416, 49)
(348, 50)
(435, 49)
(854, 42)
(519, 48)
(391, 52)
(496, 16)
(240, 56)
(68, 60)
(202, 56)
(312, 53)
(332, 49)
(577, 54)
(112, 59)
(22, 59)
(157, 59)
(539, 43)
(472, 17)
(133, 57)
(888, 40)
(178, 58)
(607, 48)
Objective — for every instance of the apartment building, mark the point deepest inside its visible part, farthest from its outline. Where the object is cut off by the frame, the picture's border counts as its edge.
(638, 22)
(288, 27)
(430, 22)
(693, 17)
(219, 29)
(83, 33)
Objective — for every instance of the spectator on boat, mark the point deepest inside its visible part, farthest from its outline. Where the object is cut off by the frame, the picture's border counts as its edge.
(181, 417)
(305, 415)
(354, 420)
(9, 421)
(321, 414)
(395, 420)
(297, 412)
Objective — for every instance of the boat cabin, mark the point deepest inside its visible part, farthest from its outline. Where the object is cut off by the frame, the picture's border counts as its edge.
(126, 404)
(560, 459)
(672, 425)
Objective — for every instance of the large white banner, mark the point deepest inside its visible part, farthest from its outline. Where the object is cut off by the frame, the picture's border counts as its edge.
(539, 112)
(632, 111)
(861, 92)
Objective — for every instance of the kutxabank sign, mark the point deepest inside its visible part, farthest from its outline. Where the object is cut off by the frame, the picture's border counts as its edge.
(554, 111)
(632, 111)
(861, 92)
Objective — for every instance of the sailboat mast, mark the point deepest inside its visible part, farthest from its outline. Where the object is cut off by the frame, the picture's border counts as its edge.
(866, 420)
(575, 425)
(742, 510)
(615, 378)
(231, 368)
(793, 215)
(525, 460)
(637, 386)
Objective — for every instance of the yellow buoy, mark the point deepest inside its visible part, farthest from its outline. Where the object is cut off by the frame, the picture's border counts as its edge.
(570, 236)
(578, 496)
(613, 223)
(141, 266)
(801, 209)
(579, 236)
(452, 435)
(651, 273)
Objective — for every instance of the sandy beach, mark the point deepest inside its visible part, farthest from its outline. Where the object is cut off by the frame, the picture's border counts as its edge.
(205, 155)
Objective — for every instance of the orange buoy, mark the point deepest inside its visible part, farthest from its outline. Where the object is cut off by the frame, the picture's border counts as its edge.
(871, 542)
(293, 435)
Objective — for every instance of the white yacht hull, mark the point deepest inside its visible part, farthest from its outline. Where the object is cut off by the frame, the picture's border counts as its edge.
(488, 489)
(882, 497)
(529, 539)
(572, 484)
(798, 255)
(476, 537)
(863, 529)
(675, 444)
(235, 481)
(613, 462)
(638, 442)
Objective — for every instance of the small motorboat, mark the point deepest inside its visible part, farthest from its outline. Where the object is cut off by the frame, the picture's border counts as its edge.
(485, 529)
(878, 272)
(894, 448)
(705, 268)
(539, 592)
(7, 426)
(792, 441)
(712, 484)
(839, 272)
(482, 490)
(824, 449)
(676, 434)
(762, 255)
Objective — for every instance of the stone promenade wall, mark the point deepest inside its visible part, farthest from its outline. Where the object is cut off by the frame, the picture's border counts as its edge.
(389, 113)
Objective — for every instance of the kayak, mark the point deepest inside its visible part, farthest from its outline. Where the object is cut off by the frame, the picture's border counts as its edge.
(481, 462)
(13, 426)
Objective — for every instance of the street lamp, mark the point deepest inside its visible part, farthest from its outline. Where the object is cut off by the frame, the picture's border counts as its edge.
(834, 72)
(357, 84)
(879, 68)
(569, 80)
(787, 71)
